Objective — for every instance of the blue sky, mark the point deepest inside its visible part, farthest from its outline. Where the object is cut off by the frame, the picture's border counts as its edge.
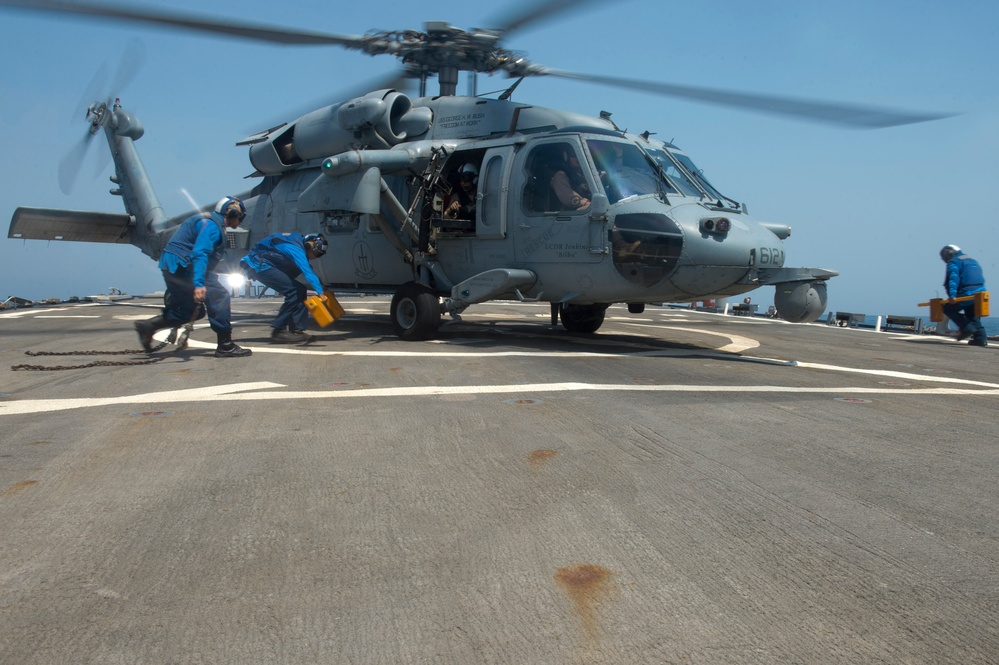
(875, 205)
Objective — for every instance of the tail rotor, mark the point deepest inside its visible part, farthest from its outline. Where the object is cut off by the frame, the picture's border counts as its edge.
(99, 112)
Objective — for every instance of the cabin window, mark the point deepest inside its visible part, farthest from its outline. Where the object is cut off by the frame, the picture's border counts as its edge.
(492, 197)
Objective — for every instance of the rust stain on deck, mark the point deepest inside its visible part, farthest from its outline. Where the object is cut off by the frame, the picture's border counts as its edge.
(586, 585)
(539, 457)
(19, 487)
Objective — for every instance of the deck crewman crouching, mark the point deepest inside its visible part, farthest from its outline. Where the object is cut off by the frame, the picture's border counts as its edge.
(276, 261)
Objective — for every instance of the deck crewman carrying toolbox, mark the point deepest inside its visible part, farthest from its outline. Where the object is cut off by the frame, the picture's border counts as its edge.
(967, 299)
(276, 261)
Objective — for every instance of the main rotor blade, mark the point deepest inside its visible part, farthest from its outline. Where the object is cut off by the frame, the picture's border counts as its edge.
(227, 27)
(850, 115)
(535, 12)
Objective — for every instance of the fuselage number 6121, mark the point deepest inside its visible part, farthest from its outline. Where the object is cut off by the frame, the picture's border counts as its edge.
(771, 256)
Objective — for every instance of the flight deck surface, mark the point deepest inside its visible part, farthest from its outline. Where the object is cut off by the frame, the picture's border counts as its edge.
(679, 487)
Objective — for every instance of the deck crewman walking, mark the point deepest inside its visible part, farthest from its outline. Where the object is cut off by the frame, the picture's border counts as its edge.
(964, 277)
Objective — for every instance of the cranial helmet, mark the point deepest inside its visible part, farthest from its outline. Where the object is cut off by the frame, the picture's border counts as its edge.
(948, 252)
(469, 170)
(317, 243)
(223, 205)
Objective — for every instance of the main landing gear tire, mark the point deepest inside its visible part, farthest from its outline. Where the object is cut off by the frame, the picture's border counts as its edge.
(582, 318)
(416, 312)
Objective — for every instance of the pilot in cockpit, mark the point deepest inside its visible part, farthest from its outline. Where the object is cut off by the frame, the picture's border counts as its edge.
(569, 183)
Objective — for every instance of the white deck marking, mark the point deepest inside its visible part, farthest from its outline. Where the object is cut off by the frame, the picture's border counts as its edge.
(22, 312)
(168, 396)
(251, 391)
(739, 343)
(896, 375)
(233, 393)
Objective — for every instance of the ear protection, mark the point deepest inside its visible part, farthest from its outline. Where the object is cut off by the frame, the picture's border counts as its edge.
(317, 243)
(222, 207)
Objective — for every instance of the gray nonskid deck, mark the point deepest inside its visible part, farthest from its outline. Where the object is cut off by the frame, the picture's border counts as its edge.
(680, 487)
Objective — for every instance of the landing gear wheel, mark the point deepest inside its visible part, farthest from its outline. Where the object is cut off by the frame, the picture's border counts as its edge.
(416, 312)
(582, 318)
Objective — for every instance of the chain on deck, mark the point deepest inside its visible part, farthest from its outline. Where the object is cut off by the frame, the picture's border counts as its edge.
(180, 340)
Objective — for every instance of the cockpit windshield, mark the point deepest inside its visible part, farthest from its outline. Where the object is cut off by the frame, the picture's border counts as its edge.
(699, 176)
(625, 170)
(669, 167)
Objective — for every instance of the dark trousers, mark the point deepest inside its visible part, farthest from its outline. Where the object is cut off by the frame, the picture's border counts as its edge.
(293, 313)
(179, 306)
(963, 316)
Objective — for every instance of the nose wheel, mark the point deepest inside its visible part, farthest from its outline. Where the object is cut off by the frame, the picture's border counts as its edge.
(415, 312)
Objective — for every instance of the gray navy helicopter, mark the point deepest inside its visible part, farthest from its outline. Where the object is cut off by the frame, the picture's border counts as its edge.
(446, 201)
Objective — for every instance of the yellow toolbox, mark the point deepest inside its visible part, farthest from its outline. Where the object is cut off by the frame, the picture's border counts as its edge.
(981, 300)
(324, 313)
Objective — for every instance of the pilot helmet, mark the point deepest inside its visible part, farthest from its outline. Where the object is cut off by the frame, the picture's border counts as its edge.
(317, 243)
(948, 252)
(468, 172)
(222, 208)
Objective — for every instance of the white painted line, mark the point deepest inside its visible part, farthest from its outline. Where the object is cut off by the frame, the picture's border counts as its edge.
(69, 316)
(738, 344)
(132, 317)
(307, 350)
(896, 375)
(169, 396)
(234, 393)
(22, 312)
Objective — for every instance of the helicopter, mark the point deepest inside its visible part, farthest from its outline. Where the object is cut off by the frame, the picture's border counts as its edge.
(376, 174)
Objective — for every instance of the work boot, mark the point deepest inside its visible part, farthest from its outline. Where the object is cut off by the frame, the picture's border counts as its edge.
(227, 348)
(304, 334)
(978, 342)
(147, 329)
(965, 333)
(288, 337)
(231, 350)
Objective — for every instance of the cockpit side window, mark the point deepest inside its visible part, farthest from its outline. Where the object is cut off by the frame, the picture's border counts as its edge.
(556, 180)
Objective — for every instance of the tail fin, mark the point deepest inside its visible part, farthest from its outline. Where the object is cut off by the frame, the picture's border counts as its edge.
(145, 225)
(134, 187)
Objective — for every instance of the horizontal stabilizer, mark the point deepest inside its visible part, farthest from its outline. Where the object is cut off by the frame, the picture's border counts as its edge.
(70, 225)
